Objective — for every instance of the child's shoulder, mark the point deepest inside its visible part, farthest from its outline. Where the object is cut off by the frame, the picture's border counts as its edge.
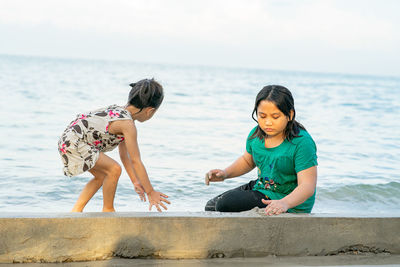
(103, 109)
(254, 129)
(111, 109)
(251, 132)
(303, 138)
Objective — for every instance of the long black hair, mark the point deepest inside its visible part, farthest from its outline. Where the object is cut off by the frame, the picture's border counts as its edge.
(146, 93)
(283, 99)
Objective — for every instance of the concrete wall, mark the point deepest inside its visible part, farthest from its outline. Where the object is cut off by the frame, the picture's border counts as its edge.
(95, 236)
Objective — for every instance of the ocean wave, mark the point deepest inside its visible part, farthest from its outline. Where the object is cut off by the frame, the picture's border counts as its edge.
(384, 193)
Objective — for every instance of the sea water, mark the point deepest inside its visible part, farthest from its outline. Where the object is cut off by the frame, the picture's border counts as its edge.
(201, 125)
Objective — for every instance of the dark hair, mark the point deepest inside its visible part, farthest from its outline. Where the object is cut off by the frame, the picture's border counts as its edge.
(283, 99)
(146, 93)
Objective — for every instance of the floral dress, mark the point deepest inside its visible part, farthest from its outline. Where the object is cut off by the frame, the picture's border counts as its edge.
(85, 137)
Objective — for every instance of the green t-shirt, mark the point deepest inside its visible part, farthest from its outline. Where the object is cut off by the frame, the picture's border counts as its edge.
(278, 166)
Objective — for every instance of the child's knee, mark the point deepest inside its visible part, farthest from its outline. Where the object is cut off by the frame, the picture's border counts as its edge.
(210, 206)
(99, 178)
(222, 205)
(115, 170)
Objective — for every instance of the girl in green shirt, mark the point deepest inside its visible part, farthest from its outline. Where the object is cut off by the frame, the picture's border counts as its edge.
(284, 154)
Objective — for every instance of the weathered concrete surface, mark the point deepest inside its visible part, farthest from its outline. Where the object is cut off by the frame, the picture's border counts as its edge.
(97, 236)
(284, 261)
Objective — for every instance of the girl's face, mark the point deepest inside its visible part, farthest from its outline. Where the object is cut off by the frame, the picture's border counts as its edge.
(271, 120)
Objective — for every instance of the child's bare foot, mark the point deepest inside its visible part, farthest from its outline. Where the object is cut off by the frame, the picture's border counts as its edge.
(76, 210)
(108, 210)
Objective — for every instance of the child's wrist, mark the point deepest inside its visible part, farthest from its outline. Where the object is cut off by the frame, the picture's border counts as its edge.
(285, 202)
(225, 174)
(150, 191)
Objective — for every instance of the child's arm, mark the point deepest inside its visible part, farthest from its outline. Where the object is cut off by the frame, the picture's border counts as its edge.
(128, 129)
(123, 153)
(242, 165)
(307, 181)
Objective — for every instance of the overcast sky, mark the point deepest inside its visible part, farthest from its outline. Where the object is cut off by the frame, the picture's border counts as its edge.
(346, 36)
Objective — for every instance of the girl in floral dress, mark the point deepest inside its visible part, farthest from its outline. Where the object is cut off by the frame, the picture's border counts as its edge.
(84, 142)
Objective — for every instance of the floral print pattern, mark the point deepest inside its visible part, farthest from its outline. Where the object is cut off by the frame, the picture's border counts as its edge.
(86, 136)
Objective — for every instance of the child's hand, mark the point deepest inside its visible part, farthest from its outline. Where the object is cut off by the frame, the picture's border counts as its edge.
(215, 176)
(156, 198)
(275, 207)
(140, 191)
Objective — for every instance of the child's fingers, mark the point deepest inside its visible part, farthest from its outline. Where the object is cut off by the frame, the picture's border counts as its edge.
(163, 195)
(266, 201)
(279, 212)
(158, 208)
(210, 175)
(269, 208)
(269, 211)
(141, 195)
(212, 172)
(220, 173)
(214, 176)
(273, 211)
(162, 205)
(166, 201)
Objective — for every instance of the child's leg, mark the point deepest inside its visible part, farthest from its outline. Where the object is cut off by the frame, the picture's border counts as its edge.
(240, 200)
(89, 190)
(113, 171)
(106, 172)
(211, 204)
(110, 186)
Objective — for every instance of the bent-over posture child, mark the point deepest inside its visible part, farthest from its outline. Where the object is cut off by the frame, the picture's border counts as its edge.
(284, 154)
(84, 141)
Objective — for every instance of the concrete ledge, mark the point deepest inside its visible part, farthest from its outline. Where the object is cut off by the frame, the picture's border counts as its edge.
(98, 236)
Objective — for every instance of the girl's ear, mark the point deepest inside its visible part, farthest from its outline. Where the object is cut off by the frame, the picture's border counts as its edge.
(150, 110)
(291, 114)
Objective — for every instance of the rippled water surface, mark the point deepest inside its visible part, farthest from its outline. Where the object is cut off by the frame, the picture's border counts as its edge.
(202, 124)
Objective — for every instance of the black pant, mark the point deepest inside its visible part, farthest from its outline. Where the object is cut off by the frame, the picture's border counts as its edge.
(239, 199)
